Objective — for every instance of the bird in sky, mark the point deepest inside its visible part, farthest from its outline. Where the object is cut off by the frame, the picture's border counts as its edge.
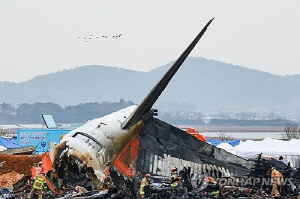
(117, 36)
(104, 36)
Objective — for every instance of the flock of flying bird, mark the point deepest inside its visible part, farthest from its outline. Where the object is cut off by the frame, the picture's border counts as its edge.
(86, 39)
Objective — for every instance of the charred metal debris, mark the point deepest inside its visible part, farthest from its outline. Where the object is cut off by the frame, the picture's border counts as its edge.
(77, 181)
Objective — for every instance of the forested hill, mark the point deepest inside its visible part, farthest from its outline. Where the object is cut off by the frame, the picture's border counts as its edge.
(206, 84)
(26, 113)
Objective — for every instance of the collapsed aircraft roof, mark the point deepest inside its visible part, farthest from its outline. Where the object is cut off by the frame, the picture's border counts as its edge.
(161, 138)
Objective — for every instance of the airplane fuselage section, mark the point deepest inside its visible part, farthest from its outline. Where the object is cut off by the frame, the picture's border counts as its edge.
(98, 142)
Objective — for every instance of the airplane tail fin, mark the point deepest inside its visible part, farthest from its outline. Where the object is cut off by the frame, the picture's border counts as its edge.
(146, 105)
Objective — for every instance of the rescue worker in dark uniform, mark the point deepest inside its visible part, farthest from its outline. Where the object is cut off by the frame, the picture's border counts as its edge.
(176, 184)
(175, 179)
(107, 181)
(212, 186)
(38, 185)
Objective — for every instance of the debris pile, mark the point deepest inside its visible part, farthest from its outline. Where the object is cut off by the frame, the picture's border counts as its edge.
(8, 179)
(16, 173)
(255, 185)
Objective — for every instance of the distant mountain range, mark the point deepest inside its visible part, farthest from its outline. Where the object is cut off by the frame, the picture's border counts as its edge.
(200, 84)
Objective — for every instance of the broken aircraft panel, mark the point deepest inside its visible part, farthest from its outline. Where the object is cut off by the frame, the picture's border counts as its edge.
(161, 139)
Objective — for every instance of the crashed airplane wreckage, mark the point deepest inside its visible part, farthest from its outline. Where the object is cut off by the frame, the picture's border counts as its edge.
(133, 142)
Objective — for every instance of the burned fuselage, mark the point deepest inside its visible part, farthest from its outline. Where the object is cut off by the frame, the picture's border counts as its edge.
(85, 153)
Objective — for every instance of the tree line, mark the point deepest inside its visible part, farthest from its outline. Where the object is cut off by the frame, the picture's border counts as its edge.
(26, 113)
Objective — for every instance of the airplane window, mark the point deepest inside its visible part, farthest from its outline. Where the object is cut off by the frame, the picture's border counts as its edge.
(88, 139)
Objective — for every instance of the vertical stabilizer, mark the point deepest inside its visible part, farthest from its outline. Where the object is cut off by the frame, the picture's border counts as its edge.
(156, 91)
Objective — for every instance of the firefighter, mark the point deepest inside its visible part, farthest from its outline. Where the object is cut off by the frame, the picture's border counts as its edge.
(107, 181)
(212, 186)
(174, 177)
(38, 185)
(145, 182)
(276, 179)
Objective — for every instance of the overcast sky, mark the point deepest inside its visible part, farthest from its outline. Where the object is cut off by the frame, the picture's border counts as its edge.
(40, 37)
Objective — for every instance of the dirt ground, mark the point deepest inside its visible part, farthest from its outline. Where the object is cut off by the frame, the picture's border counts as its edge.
(8, 179)
(18, 163)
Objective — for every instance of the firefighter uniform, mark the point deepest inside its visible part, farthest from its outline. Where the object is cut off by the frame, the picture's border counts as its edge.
(174, 177)
(145, 182)
(38, 186)
(174, 180)
(276, 178)
(212, 182)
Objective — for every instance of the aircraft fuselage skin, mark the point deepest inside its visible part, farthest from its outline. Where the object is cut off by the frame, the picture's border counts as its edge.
(98, 142)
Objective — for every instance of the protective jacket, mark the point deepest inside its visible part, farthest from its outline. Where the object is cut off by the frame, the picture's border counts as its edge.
(143, 184)
(174, 180)
(39, 181)
(276, 177)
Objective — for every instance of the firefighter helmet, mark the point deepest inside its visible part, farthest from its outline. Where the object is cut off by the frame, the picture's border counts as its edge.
(174, 169)
(148, 175)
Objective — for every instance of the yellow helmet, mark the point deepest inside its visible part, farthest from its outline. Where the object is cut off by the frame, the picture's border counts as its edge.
(272, 168)
(174, 169)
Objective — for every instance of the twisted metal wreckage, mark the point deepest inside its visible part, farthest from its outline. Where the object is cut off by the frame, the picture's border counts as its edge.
(131, 142)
